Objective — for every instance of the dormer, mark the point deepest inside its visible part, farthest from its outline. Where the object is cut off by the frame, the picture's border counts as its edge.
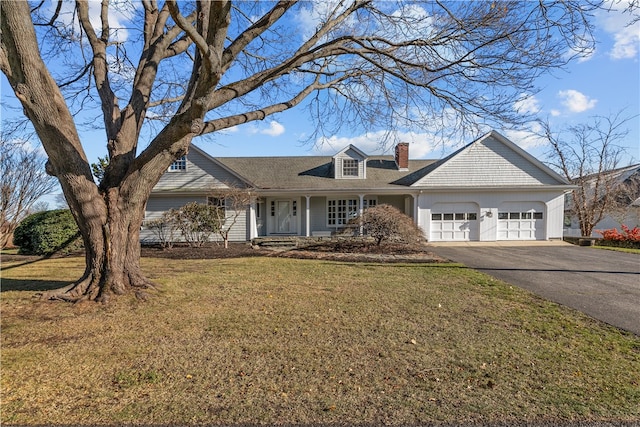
(350, 163)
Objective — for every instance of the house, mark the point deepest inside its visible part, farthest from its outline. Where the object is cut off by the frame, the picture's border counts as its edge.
(489, 190)
(624, 183)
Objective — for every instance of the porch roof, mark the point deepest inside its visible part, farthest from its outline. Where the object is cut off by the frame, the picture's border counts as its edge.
(317, 173)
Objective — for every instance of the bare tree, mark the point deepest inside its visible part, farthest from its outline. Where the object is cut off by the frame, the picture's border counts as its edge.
(24, 181)
(231, 202)
(587, 155)
(205, 66)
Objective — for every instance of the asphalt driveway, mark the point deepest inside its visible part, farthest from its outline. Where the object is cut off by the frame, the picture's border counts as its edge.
(601, 283)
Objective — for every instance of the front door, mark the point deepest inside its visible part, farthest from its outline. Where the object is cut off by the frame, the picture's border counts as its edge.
(283, 216)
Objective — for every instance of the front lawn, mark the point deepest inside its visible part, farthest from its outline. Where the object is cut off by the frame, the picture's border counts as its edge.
(269, 340)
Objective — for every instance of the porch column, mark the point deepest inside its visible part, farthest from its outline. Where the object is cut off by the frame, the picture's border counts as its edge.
(416, 220)
(307, 216)
(360, 212)
(253, 225)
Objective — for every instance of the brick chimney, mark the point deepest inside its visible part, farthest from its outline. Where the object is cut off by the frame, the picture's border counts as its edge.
(402, 156)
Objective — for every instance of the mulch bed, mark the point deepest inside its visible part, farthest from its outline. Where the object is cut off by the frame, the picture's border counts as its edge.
(328, 251)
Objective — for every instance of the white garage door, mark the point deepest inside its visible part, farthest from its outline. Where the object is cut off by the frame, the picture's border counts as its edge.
(521, 221)
(454, 222)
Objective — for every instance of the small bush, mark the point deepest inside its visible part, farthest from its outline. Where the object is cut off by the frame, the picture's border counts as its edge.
(386, 222)
(196, 221)
(628, 238)
(44, 233)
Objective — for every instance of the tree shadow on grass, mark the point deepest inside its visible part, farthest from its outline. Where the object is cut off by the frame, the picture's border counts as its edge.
(30, 285)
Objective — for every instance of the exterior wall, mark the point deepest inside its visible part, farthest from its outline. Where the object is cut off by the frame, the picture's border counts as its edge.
(395, 201)
(488, 206)
(318, 214)
(487, 163)
(201, 174)
(157, 205)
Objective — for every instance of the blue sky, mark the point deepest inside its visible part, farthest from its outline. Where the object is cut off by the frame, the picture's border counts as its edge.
(605, 83)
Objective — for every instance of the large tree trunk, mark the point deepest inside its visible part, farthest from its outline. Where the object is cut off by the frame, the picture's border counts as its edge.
(109, 217)
(112, 251)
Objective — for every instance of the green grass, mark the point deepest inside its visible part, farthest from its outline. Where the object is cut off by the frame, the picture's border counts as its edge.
(268, 340)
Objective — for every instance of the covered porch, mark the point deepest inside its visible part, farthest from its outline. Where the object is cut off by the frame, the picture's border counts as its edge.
(317, 215)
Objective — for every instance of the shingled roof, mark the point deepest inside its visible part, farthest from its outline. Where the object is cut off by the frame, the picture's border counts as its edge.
(316, 173)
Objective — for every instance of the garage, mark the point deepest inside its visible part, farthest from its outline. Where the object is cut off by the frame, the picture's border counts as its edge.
(521, 221)
(454, 222)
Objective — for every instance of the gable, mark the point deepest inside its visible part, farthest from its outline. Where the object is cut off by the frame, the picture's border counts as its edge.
(350, 163)
(491, 161)
(202, 173)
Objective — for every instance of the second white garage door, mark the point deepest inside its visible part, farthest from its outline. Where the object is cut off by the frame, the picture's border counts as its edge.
(454, 222)
(521, 221)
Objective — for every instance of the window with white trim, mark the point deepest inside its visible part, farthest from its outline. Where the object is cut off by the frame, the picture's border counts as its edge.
(340, 211)
(349, 167)
(457, 216)
(179, 165)
(520, 215)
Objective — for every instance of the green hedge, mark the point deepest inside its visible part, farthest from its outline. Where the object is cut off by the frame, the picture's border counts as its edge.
(618, 244)
(45, 233)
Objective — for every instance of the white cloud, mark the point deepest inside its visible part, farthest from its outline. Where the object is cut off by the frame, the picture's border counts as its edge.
(576, 101)
(421, 145)
(121, 13)
(274, 129)
(232, 129)
(527, 104)
(626, 37)
(315, 13)
(555, 113)
(526, 139)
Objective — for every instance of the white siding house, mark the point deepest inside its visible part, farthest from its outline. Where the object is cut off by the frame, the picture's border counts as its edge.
(489, 190)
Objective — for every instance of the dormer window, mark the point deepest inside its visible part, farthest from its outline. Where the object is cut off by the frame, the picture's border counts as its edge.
(350, 163)
(179, 165)
(349, 167)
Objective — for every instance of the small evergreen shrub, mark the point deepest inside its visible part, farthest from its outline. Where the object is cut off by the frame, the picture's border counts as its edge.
(44, 233)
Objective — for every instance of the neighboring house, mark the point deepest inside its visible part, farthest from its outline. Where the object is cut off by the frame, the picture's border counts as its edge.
(625, 182)
(488, 190)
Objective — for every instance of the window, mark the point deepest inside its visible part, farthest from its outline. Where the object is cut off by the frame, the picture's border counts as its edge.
(340, 211)
(217, 202)
(349, 167)
(179, 165)
(520, 215)
(458, 216)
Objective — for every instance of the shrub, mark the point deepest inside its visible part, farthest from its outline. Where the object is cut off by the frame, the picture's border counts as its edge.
(196, 221)
(164, 229)
(44, 233)
(628, 238)
(386, 222)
